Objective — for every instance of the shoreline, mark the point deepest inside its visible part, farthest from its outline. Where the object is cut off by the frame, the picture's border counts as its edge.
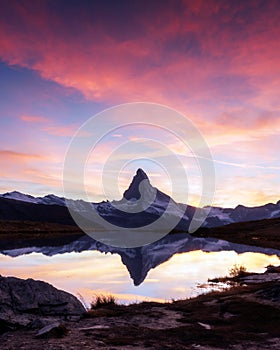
(247, 315)
(242, 316)
(263, 233)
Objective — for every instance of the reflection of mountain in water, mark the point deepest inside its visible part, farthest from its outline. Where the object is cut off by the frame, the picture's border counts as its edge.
(139, 261)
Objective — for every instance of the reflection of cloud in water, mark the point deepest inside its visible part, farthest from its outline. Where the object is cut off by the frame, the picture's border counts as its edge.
(182, 271)
(169, 268)
(88, 295)
(175, 278)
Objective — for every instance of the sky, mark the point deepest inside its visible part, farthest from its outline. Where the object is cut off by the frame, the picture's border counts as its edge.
(216, 62)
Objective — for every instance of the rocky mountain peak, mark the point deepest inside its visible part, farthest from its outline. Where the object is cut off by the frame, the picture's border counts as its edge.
(133, 190)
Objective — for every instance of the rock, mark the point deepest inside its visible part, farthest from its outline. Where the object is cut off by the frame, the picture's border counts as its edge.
(228, 315)
(41, 322)
(133, 192)
(261, 278)
(54, 330)
(23, 301)
(204, 325)
(93, 328)
(271, 293)
(272, 269)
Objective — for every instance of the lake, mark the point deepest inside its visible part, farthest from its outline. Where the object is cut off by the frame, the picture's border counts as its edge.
(171, 268)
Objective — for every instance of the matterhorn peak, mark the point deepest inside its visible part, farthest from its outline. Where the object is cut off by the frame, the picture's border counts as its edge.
(133, 191)
(140, 173)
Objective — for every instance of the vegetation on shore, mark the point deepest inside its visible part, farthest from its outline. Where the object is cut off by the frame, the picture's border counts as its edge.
(262, 233)
(102, 300)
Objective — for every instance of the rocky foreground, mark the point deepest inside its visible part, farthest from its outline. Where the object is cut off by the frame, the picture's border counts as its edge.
(35, 315)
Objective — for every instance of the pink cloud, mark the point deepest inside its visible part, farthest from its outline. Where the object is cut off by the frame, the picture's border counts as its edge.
(86, 64)
(23, 170)
(7, 155)
(184, 75)
(66, 131)
(251, 191)
(33, 119)
(45, 125)
(215, 61)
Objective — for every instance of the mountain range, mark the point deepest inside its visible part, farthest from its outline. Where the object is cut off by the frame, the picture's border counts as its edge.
(125, 212)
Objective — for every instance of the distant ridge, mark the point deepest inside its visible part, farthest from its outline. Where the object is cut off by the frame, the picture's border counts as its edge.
(51, 208)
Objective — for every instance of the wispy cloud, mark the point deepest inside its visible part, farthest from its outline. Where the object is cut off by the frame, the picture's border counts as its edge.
(65, 131)
(7, 155)
(33, 119)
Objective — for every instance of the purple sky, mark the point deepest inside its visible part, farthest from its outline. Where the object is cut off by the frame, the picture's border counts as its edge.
(217, 62)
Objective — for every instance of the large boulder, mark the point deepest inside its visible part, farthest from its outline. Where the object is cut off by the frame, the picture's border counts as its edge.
(23, 301)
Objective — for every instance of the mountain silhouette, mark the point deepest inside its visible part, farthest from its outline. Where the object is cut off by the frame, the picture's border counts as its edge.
(149, 203)
(133, 191)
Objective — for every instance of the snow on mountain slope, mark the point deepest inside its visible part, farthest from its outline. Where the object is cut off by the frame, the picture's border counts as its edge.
(50, 199)
(142, 196)
(19, 197)
(142, 204)
(275, 214)
(221, 214)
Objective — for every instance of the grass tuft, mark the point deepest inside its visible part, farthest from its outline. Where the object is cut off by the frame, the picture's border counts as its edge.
(101, 301)
(237, 271)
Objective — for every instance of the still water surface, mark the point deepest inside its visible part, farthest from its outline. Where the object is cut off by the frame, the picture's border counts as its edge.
(164, 270)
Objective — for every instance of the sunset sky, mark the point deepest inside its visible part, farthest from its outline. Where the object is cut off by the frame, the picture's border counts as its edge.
(217, 62)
